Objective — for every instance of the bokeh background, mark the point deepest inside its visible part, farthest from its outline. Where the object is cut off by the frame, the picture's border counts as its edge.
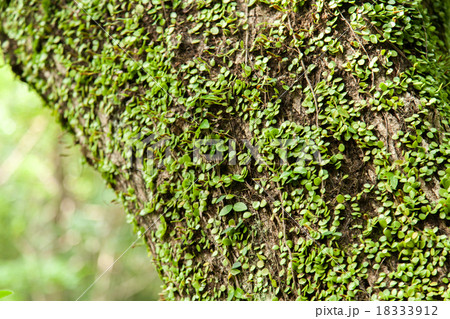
(59, 225)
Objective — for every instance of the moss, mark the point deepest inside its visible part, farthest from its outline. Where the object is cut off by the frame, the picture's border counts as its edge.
(345, 102)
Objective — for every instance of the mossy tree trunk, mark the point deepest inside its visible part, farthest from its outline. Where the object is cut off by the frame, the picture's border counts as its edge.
(264, 149)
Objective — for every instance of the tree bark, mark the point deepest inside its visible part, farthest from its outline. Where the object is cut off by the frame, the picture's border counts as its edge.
(265, 149)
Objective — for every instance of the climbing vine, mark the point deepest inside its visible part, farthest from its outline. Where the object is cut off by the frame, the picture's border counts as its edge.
(264, 149)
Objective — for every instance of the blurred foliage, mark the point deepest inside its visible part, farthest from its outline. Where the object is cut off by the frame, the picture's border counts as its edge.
(60, 227)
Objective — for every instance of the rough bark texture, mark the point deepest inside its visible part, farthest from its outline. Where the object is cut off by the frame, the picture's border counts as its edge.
(344, 102)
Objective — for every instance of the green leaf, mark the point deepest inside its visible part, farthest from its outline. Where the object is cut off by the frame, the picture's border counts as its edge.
(230, 293)
(383, 86)
(341, 147)
(247, 70)
(235, 272)
(239, 293)
(340, 198)
(342, 112)
(311, 67)
(300, 170)
(317, 181)
(372, 62)
(226, 210)
(353, 285)
(394, 182)
(382, 222)
(204, 125)
(239, 207)
(140, 9)
(215, 30)
(237, 264)
(5, 293)
(162, 228)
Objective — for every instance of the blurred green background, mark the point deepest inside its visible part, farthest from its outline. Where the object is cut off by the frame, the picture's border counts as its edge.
(59, 225)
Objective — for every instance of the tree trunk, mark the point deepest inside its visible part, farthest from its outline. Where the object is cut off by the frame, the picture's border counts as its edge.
(265, 149)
